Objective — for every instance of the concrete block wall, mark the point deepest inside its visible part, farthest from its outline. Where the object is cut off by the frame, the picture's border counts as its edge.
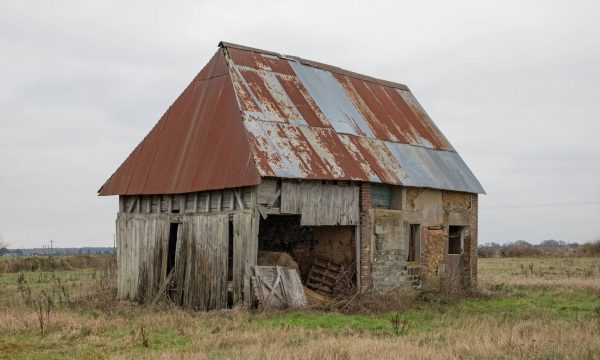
(389, 268)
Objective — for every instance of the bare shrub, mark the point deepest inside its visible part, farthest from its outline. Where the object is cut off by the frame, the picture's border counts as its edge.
(589, 249)
(24, 289)
(143, 337)
(3, 245)
(101, 292)
(42, 306)
(487, 252)
(373, 302)
(55, 263)
(400, 325)
(520, 251)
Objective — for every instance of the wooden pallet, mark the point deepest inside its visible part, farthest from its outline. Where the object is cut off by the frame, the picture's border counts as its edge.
(323, 275)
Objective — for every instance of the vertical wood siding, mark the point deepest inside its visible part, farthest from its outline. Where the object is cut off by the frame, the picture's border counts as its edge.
(245, 244)
(320, 204)
(200, 275)
(201, 262)
(196, 202)
(142, 245)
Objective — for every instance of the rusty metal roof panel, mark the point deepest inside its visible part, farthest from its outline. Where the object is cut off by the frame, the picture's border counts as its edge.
(199, 144)
(252, 113)
(379, 126)
(332, 100)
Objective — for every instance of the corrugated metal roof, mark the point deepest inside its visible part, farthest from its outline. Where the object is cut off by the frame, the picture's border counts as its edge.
(308, 120)
(199, 144)
(293, 118)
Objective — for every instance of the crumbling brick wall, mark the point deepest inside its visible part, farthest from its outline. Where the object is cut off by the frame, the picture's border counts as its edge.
(385, 235)
(436, 242)
(366, 281)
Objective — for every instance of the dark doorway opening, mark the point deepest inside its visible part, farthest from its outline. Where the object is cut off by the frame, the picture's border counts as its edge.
(230, 253)
(230, 266)
(414, 243)
(326, 251)
(455, 240)
(173, 230)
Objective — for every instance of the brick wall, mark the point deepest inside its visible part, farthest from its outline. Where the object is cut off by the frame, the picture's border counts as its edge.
(366, 278)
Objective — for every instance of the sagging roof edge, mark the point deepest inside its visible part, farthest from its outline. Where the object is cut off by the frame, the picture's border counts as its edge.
(301, 180)
(315, 64)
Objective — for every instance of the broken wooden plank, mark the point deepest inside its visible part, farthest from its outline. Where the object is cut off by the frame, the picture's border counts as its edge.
(278, 287)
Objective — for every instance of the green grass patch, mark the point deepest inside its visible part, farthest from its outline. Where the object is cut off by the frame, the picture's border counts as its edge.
(567, 306)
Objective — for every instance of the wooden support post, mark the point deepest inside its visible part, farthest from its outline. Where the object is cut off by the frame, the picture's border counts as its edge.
(236, 193)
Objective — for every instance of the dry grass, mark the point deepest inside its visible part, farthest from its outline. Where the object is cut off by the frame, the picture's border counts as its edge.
(542, 273)
(56, 263)
(183, 335)
(550, 310)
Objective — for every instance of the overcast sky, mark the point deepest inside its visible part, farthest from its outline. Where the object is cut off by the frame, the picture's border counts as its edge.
(514, 86)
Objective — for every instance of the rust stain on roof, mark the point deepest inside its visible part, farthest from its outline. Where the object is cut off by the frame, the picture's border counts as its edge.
(199, 144)
(252, 113)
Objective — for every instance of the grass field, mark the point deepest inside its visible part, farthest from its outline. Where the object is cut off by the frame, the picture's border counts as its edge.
(544, 308)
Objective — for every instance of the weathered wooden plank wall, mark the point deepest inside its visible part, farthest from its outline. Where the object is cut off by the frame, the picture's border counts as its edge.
(245, 245)
(278, 287)
(142, 245)
(201, 262)
(320, 204)
(196, 202)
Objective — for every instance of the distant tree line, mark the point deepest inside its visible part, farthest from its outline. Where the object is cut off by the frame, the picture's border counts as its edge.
(57, 251)
(522, 248)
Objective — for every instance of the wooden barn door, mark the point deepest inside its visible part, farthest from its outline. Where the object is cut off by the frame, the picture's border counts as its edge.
(141, 255)
(201, 262)
(245, 247)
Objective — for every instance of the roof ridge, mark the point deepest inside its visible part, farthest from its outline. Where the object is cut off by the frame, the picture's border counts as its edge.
(316, 64)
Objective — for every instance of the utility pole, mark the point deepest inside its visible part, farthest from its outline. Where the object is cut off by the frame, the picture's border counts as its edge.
(51, 242)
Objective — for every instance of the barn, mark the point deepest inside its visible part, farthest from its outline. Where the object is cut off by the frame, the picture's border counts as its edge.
(275, 153)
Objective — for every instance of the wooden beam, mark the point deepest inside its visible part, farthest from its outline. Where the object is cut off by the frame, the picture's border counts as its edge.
(239, 199)
(132, 205)
(275, 197)
(163, 287)
(262, 211)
